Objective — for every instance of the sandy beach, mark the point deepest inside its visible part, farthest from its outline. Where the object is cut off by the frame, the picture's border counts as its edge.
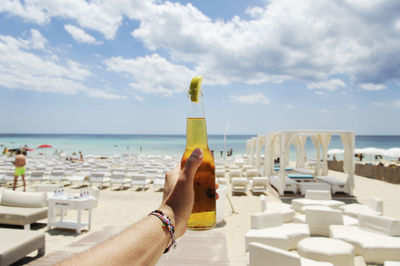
(120, 208)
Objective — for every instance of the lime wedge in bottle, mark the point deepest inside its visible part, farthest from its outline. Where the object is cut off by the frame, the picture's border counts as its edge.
(195, 88)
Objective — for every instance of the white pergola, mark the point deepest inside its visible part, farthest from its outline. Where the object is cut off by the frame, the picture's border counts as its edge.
(277, 144)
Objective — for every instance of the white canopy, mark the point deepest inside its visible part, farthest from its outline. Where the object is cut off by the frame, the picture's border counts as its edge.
(278, 144)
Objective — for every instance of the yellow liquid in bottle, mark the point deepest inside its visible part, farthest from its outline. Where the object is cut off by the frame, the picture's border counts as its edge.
(204, 208)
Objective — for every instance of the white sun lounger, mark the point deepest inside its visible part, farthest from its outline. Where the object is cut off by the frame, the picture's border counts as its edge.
(316, 197)
(139, 180)
(261, 255)
(98, 178)
(290, 185)
(120, 179)
(268, 228)
(16, 244)
(374, 207)
(377, 238)
(259, 184)
(159, 181)
(239, 184)
(337, 185)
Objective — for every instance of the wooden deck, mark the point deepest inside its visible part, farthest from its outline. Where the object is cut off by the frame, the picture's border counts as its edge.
(198, 248)
(194, 248)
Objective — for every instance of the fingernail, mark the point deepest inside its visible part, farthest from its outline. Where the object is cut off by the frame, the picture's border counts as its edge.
(198, 153)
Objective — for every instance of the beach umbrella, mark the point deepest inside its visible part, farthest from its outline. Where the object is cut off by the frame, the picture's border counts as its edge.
(335, 151)
(392, 152)
(44, 146)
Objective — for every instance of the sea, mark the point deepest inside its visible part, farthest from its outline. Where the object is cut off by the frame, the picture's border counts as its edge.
(173, 145)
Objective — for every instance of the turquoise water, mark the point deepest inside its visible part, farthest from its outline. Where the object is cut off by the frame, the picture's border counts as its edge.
(162, 144)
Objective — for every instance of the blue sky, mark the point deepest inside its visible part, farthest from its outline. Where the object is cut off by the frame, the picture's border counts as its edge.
(74, 66)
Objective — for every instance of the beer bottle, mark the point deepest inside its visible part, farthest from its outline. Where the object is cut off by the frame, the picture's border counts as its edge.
(203, 213)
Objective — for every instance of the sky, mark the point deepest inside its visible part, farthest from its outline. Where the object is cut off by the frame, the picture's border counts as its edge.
(124, 66)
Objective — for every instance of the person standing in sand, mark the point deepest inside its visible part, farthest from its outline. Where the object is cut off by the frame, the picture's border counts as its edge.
(19, 163)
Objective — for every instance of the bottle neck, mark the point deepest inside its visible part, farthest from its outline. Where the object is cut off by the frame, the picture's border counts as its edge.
(196, 129)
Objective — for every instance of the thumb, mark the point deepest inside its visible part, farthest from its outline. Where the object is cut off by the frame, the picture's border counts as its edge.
(193, 163)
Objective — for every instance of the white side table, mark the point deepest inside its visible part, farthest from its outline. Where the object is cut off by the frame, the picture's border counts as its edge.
(64, 203)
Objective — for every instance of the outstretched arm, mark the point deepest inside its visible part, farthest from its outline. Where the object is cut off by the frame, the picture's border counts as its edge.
(144, 242)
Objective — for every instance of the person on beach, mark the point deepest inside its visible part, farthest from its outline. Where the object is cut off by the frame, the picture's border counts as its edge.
(80, 156)
(19, 163)
(144, 242)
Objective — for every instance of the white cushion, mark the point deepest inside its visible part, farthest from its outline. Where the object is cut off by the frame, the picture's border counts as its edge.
(380, 224)
(261, 255)
(356, 209)
(338, 252)
(284, 237)
(24, 199)
(376, 204)
(374, 247)
(318, 195)
(265, 220)
(285, 209)
(319, 220)
(299, 203)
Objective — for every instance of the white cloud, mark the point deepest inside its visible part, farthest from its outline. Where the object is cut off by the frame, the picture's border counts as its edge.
(80, 35)
(324, 111)
(330, 85)
(289, 106)
(250, 98)
(21, 69)
(391, 104)
(153, 74)
(285, 39)
(373, 87)
(318, 92)
(396, 104)
(139, 98)
(37, 40)
(351, 107)
(380, 104)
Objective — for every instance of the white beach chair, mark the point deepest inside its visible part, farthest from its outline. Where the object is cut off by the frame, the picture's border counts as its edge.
(285, 209)
(316, 197)
(139, 180)
(239, 185)
(80, 177)
(234, 173)
(337, 185)
(119, 178)
(268, 228)
(374, 207)
(99, 178)
(376, 238)
(219, 172)
(9, 177)
(290, 185)
(56, 176)
(159, 181)
(261, 255)
(259, 184)
(304, 186)
(251, 173)
(319, 219)
(36, 176)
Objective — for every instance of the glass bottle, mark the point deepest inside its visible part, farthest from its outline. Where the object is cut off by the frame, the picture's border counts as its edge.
(203, 214)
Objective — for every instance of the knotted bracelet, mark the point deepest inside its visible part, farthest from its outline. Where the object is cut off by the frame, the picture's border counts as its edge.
(168, 225)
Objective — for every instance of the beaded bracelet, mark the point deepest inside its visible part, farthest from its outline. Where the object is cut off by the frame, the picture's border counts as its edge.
(166, 224)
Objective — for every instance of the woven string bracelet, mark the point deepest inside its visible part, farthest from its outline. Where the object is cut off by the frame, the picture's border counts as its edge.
(168, 225)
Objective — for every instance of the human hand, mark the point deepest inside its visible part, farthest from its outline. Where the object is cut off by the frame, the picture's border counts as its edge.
(178, 197)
